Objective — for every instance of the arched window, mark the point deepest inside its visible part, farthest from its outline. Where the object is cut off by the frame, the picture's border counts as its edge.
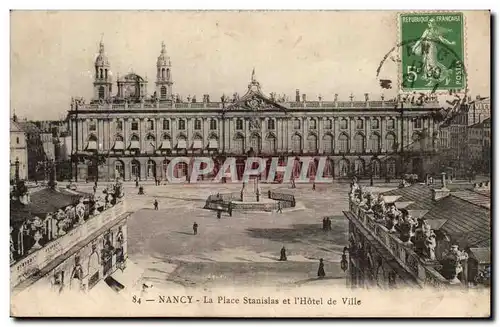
(296, 143)
(106, 74)
(343, 123)
(239, 124)
(270, 124)
(151, 125)
(375, 164)
(213, 124)
(197, 124)
(375, 142)
(312, 124)
(119, 138)
(271, 143)
(119, 169)
(163, 75)
(134, 137)
(255, 143)
(312, 143)
(328, 144)
(163, 92)
(100, 73)
(359, 143)
(359, 167)
(391, 167)
(101, 92)
(239, 146)
(166, 124)
(182, 124)
(151, 169)
(150, 143)
(343, 168)
(135, 170)
(168, 73)
(390, 142)
(17, 140)
(164, 167)
(343, 143)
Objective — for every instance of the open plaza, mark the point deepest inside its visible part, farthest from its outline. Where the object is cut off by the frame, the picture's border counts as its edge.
(241, 250)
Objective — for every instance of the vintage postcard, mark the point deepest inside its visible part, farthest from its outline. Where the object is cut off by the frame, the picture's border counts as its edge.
(250, 164)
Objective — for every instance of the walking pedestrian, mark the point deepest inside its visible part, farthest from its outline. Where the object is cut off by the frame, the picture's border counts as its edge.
(293, 182)
(324, 223)
(329, 223)
(230, 209)
(314, 186)
(219, 213)
(283, 254)
(94, 188)
(195, 228)
(321, 269)
(156, 204)
(280, 210)
(136, 182)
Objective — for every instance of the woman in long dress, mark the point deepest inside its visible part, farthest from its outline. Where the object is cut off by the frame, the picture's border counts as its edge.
(426, 47)
(321, 269)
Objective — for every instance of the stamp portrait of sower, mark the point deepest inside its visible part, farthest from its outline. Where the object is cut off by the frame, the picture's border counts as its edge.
(432, 51)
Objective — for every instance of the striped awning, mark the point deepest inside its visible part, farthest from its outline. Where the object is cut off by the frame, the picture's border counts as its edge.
(118, 145)
(213, 144)
(197, 144)
(181, 144)
(91, 145)
(166, 145)
(134, 145)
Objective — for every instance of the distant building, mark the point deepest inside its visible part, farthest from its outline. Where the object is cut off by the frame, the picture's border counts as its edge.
(18, 150)
(36, 152)
(479, 142)
(479, 110)
(420, 236)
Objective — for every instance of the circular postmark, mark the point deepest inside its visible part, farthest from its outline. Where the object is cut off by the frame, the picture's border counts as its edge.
(437, 78)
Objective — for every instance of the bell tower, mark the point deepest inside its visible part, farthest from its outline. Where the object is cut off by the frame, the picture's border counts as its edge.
(163, 75)
(102, 80)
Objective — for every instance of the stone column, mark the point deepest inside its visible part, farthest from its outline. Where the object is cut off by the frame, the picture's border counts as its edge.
(336, 134)
(204, 127)
(304, 134)
(352, 133)
(189, 133)
(368, 128)
(173, 128)
(383, 132)
(321, 121)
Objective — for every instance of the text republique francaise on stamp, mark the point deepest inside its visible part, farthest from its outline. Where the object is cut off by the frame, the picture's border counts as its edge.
(432, 51)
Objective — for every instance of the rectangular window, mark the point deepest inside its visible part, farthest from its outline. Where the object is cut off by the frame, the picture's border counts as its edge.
(182, 124)
(296, 124)
(197, 124)
(166, 124)
(417, 123)
(359, 124)
(135, 126)
(328, 124)
(119, 126)
(239, 124)
(391, 123)
(343, 124)
(375, 124)
(92, 126)
(213, 124)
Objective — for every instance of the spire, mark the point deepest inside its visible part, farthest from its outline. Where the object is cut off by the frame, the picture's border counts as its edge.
(163, 51)
(101, 45)
(253, 75)
(163, 59)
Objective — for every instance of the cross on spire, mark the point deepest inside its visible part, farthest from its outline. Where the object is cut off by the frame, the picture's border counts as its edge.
(351, 97)
(253, 75)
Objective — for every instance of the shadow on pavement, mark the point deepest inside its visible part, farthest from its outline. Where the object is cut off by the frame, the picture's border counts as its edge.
(185, 233)
(305, 281)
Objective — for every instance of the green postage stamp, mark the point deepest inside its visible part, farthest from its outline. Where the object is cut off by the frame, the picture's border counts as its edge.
(432, 51)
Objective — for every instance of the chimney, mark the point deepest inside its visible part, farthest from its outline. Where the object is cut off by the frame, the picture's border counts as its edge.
(297, 95)
(441, 193)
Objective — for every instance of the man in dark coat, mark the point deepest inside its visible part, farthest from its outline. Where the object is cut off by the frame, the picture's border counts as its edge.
(195, 228)
(156, 204)
(328, 224)
(230, 209)
(280, 210)
(283, 254)
(219, 213)
(321, 269)
(314, 186)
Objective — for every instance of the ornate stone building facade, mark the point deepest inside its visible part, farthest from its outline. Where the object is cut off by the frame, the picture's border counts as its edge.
(136, 135)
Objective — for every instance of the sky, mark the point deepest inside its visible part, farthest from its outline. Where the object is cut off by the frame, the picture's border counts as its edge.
(320, 53)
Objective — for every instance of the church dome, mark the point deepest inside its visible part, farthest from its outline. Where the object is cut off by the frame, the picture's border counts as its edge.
(163, 59)
(102, 59)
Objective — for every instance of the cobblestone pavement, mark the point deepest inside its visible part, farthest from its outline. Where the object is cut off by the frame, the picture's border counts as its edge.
(239, 250)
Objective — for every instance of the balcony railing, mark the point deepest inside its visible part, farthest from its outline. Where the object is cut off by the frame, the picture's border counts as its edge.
(38, 256)
(404, 254)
